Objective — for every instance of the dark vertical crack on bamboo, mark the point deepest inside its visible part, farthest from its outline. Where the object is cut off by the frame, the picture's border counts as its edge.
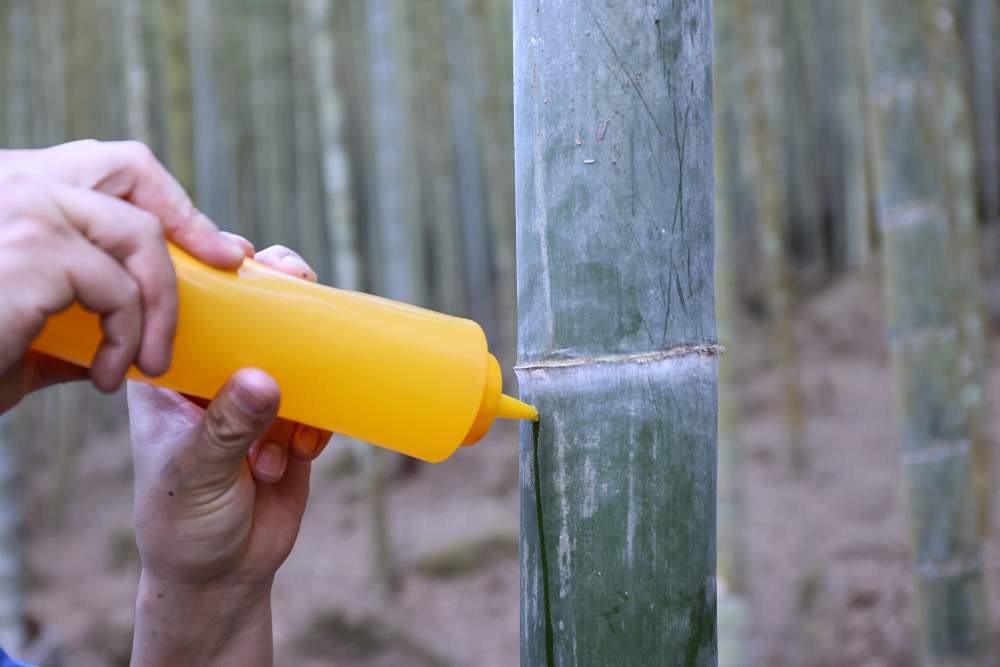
(543, 555)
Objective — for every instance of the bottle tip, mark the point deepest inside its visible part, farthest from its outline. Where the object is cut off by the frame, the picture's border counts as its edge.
(511, 408)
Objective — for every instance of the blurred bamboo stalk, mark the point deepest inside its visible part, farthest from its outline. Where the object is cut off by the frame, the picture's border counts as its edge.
(857, 169)
(467, 92)
(980, 19)
(18, 107)
(435, 146)
(308, 200)
(734, 612)
(395, 217)
(338, 191)
(790, 62)
(136, 82)
(12, 625)
(492, 34)
(271, 118)
(759, 120)
(954, 138)
(172, 19)
(920, 249)
(397, 227)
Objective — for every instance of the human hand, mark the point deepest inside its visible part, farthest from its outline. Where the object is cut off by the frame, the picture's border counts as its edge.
(86, 222)
(219, 497)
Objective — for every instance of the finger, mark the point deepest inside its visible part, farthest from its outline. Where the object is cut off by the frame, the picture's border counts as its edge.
(286, 260)
(130, 171)
(33, 372)
(133, 237)
(269, 455)
(293, 487)
(240, 414)
(45, 371)
(241, 241)
(157, 416)
(308, 442)
(102, 286)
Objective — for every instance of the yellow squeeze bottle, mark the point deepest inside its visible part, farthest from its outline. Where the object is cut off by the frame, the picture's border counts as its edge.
(408, 379)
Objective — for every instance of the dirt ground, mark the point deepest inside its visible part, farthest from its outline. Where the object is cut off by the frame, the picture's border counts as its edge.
(830, 581)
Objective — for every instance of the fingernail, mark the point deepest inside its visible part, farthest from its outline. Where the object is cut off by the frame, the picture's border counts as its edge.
(271, 460)
(252, 393)
(235, 249)
(309, 439)
(298, 264)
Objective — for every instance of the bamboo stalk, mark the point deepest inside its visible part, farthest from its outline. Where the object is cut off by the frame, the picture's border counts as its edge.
(919, 252)
(613, 128)
(734, 635)
(763, 148)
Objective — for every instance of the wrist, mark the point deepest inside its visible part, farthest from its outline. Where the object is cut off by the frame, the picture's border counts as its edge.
(210, 624)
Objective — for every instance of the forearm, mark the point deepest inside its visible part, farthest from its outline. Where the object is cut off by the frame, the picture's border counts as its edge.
(217, 627)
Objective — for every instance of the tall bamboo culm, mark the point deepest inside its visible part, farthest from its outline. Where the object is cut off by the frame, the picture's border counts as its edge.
(616, 323)
(919, 251)
(954, 132)
(759, 122)
(734, 635)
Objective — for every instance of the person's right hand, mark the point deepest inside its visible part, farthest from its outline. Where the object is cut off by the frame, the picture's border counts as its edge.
(87, 222)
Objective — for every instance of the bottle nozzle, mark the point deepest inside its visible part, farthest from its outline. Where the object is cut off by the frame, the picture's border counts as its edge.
(511, 408)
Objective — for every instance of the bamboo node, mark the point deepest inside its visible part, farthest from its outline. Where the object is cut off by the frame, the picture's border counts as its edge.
(703, 350)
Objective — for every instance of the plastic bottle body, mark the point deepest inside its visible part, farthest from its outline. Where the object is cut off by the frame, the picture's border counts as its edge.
(381, 371)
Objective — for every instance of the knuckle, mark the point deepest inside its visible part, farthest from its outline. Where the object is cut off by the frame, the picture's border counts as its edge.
(138, 153)
(23, 320)
(224, 431)
(19, 187)
(88, 143)
(129, 293)
(149, 226)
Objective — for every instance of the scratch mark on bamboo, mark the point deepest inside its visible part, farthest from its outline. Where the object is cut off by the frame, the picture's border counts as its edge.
(632, 79)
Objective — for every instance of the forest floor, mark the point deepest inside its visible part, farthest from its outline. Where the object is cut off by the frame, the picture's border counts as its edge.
(828, 562)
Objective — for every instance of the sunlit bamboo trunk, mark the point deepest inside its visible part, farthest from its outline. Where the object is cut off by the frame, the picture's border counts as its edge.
(921, 281)
(617, 349)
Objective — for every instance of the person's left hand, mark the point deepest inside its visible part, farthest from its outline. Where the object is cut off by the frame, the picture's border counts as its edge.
(219, 496)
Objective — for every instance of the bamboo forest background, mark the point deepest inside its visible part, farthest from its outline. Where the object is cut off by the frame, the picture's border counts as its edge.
(376, 138)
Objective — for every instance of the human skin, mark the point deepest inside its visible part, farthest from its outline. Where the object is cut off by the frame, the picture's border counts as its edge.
(220, 487)
(87, 222)
(220, 494)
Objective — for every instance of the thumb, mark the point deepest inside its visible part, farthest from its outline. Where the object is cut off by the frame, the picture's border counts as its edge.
(240, 414)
